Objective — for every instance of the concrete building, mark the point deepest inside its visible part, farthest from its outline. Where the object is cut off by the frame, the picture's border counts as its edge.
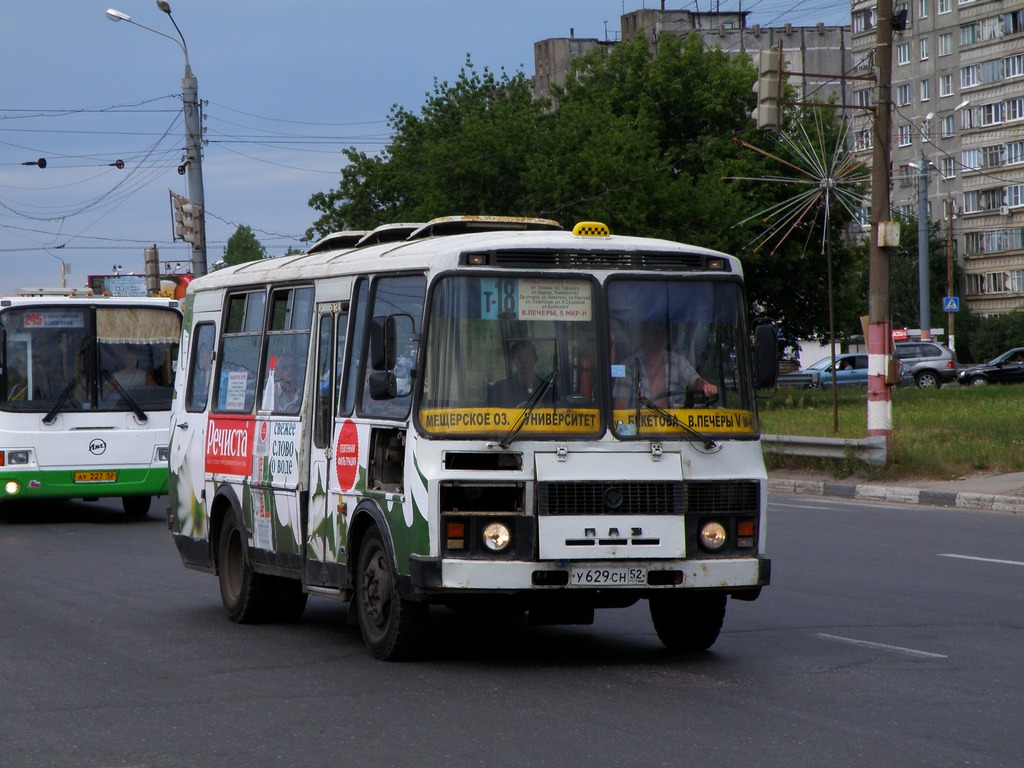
(823, 53)
(958, 113)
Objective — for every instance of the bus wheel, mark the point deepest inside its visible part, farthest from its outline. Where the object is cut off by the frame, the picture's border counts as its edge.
(247, 596)
(136, 505)
(688, 622)
(393, 628)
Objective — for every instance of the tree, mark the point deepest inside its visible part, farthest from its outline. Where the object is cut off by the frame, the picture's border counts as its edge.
(242, 247)
(638, 138)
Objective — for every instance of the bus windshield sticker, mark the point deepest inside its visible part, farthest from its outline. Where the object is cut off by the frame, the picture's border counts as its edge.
(530, 299)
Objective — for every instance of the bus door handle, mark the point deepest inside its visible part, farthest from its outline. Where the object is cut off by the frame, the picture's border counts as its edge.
(182, 425)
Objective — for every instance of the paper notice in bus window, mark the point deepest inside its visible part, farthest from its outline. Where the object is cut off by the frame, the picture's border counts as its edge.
(554, 300)
(235, 400)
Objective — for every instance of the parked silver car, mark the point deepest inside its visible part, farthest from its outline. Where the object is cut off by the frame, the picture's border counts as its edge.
(931, 364)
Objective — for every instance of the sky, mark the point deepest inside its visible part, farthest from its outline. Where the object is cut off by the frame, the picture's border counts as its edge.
(285, 87)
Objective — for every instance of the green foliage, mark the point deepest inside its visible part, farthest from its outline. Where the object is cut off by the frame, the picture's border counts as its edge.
(243, 246)
(639, 140)
(987, 337)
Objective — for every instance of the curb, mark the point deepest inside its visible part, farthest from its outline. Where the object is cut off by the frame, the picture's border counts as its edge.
(963, 500)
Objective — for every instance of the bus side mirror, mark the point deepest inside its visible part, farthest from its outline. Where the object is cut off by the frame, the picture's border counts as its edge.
(393, 348)
(766, 357)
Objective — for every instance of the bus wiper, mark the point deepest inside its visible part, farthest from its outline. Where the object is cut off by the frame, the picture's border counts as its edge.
(51, 415)
(136, 409)
(673, 419)
(532, 403)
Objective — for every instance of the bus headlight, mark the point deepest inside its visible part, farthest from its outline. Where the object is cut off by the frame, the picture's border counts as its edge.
(496, 536)
(11, 487)
(163, 454)
(18, 457)
(712, 536)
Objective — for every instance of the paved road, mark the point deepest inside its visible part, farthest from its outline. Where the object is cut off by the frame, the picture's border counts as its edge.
(891, 636)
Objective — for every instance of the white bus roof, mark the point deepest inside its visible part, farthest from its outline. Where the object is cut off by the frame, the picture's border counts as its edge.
(524, 248)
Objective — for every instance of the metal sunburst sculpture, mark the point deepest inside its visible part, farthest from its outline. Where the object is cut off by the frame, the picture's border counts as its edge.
(827, 175)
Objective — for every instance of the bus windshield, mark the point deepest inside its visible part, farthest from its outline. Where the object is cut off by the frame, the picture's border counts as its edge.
(532, 356)
(65, 357)
(680, 362)
(508, 352)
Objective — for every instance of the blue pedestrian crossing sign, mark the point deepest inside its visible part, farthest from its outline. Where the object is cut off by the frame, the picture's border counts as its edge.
(951, 304)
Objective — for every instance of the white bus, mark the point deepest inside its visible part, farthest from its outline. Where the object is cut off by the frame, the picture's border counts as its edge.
(85, 396)
(465, 414)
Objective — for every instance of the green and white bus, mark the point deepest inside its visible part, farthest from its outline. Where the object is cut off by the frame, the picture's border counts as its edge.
(479, 424)
(85, 396)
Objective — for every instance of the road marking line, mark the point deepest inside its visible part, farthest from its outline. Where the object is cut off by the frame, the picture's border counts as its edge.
(882, 646)
(983, 559)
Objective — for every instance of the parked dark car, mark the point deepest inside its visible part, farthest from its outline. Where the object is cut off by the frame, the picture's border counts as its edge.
(931, 364)
(1008, 368)
(852, 370)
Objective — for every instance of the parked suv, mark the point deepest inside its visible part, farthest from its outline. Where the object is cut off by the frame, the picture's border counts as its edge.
(931, 364)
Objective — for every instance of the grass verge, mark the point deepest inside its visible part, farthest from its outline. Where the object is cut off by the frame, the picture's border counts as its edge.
(941, 434)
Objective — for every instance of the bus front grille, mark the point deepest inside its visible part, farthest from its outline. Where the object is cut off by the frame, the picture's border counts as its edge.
(698, 497)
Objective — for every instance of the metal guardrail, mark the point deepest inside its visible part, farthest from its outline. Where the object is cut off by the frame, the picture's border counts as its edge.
(870, 450)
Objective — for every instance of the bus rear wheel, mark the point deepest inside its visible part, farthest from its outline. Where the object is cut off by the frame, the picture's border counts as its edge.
(136, 505)
(393, 628)
(688, 622)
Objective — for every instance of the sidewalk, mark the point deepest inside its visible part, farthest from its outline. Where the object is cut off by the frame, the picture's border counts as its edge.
(999, 493)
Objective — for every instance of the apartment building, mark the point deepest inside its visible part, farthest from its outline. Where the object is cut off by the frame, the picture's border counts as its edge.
(957, 113)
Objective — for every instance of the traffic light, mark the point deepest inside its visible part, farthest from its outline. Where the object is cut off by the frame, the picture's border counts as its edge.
(768, 89)
(187, 219)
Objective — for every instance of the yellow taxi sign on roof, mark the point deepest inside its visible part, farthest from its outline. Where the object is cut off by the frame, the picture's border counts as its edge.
(591, 229)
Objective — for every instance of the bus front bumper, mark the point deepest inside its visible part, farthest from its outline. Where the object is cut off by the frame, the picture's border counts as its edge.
(734, 575)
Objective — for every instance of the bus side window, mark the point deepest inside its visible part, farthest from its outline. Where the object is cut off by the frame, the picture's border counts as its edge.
(238, 364)
(200, 367)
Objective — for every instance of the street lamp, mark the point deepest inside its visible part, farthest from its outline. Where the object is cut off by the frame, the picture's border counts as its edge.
(193, 136)
(923, 222)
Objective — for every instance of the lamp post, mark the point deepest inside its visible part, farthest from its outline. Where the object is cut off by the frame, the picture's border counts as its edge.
(193, 136)
(923, 225)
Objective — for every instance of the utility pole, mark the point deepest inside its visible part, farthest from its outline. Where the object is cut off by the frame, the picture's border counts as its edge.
(923, 222)
(879, 336)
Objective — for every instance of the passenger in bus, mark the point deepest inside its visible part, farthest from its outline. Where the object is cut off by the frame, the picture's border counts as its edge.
(286, 385)
(660, 374)
(129, 375)
(520, 386)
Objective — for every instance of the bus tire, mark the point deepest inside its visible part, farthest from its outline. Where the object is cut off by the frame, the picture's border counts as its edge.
(136, 505)
(688, 622)
(247, 596)
(393, 628)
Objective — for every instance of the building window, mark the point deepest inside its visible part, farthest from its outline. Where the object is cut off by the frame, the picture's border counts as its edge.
(947, 167)
(863, 140)
(1015, 153)
(863, 98)
(948, 126)
(970, 76)
(922, 46)
(903, 94)
(903, 53)
(946, 44)
(922, 9)
(1013, 22)
(993, 157)
(1013, 66)
(1015, 195)
(970, 159)
(992, 114)
(926, 90)
(1015, 108)
(905, 136)
(992, 71)
(945, 85)
(945, 6)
